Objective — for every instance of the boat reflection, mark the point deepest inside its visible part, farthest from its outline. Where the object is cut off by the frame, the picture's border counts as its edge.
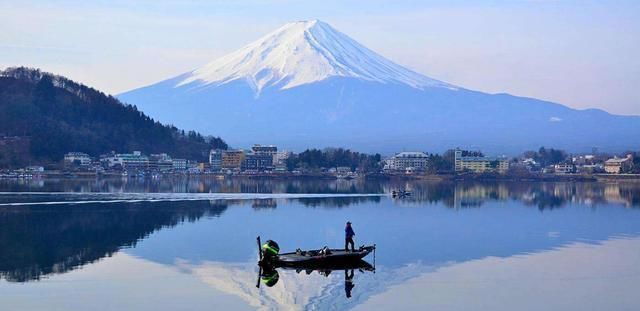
(269, 276)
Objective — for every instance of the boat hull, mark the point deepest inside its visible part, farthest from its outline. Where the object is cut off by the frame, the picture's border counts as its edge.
(315, 258)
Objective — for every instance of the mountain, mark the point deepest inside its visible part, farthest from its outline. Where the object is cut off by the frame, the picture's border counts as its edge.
(307, 84)
(303, 53)
(43, 116)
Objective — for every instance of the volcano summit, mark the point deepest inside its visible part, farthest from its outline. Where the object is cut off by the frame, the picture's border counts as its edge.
(309, 85)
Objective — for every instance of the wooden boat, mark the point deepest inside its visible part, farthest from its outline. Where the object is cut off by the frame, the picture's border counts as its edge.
(317, 258)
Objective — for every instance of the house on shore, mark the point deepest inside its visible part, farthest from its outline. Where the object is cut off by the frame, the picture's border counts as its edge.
(618, 165)
(407, 162)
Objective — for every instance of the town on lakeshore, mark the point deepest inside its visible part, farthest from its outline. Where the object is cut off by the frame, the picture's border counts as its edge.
(269, 161)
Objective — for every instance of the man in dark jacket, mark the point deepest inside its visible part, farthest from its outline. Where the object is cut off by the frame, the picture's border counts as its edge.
(348, 233)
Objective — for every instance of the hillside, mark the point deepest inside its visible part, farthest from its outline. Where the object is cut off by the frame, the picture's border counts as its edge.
(43, 116)
(307, 84)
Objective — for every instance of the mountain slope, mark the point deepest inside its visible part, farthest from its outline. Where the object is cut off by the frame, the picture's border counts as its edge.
(306, 84)
(54, 115)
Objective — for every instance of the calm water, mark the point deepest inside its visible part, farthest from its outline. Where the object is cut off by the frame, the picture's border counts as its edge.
(189, 244)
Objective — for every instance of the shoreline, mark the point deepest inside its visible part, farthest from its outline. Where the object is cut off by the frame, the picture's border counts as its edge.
(326, 176)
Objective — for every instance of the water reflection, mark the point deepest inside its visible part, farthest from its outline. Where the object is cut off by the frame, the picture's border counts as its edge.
(269, 276)
(193, 184)
(543, 195)
(440, 228)
(290, 289)
(577, 276)
(40, 240)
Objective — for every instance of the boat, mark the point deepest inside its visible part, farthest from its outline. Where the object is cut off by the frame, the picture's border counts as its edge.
(316, 258)
(323, 261)
(400, 193)
(320, 258)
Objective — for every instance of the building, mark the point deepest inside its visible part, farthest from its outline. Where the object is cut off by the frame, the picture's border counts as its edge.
(179, 164)
(79, 158)
(161, 162)
(581, 160)
(128, 161)
(232, 159)
(344, 172)
(480, 164)
(257, 162)
(269, 149)
(34, 169)
(403, 161)
(618, 165)
(203, 167)
(215, 160)
(530, 164)
(133, 161)
(280, 161)
(564, 168)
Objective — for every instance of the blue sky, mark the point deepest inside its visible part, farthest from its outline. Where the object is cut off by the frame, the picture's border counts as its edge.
(583, 54)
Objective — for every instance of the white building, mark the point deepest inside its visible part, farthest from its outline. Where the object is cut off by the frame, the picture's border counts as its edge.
(215, 159)
(77, 157)
(180, 164)
(564, 168)
(280, 160)
(407, 161)
(135, 160)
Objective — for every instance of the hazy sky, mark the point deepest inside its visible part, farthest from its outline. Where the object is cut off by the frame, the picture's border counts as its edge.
(583, 54)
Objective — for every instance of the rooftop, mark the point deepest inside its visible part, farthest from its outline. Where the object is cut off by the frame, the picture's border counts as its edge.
(411, 154)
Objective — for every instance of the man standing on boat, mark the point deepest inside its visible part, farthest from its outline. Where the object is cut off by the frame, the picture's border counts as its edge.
(348, 232)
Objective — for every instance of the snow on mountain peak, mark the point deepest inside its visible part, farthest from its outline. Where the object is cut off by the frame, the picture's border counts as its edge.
(303, 52)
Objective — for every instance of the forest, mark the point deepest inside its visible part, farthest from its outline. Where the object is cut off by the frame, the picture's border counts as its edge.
(43, 116)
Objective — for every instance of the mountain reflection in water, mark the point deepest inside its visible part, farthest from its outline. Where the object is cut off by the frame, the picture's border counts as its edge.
(269, 275)
(213, 240)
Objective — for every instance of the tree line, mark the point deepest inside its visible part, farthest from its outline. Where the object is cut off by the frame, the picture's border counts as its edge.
(57, 115)
(314, 159)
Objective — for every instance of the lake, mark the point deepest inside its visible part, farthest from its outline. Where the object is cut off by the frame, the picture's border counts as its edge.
(190, 244)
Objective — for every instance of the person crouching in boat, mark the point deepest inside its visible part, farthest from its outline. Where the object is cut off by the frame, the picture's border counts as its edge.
(349, 233)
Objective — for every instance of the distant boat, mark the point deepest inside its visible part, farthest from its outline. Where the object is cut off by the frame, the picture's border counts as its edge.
(400, 193)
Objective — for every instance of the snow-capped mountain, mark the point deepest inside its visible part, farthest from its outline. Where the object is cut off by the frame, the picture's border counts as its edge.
(301, 53)
(309, 85)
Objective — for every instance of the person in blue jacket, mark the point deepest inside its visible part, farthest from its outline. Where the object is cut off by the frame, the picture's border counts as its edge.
(348, 233)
